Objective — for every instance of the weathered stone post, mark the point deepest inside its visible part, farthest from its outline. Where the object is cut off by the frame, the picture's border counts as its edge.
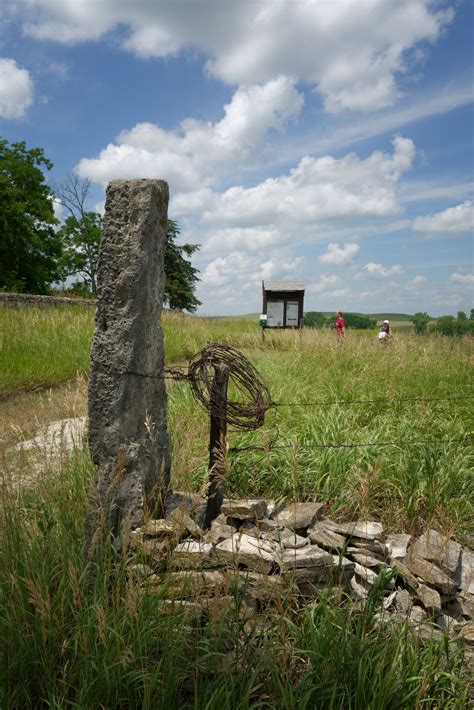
(128, 436)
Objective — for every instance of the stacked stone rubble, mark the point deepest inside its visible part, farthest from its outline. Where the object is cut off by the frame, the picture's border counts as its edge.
(269, 552)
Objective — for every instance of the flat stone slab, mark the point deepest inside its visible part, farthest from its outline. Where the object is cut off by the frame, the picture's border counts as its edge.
(403, 601)
(363, 529)
(310, 556)
(375, 547)
(328, 539)
(365, 574)
(192, 554)
(262, 525)
(156, 550)
(467, 571)
(160, 528)
(297, 516)
(430, 599)
(437, 548)
(288, 539)
(244, 509)
(359, 593)
(430, 574)
(191, 503)
(251, 552)
(189, 583)
(397, 545)
(367, 560)
(344, 565)
(218, 533)
(404, 573)
(139, 571)
(185, 523)
(263, 587)
(57, 437)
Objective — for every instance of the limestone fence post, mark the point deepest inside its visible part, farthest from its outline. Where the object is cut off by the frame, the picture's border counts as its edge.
(128, 435)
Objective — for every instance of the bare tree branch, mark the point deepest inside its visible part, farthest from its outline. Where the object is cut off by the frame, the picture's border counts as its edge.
(73, 194)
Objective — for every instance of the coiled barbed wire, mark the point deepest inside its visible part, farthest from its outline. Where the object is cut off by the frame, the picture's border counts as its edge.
(249, 396)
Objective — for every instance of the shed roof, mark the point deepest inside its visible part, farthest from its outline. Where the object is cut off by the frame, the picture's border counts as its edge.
(283, 285)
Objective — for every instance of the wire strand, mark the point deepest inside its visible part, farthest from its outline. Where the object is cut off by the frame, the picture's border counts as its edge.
(297, 445)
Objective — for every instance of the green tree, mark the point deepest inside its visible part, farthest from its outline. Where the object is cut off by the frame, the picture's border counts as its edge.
(315, 319)
(181, 275)
(449, 325)
(80, 232)
(461, 316)
(420, 322)
(471, 315)
(81, 239)
(359, 321)
(30, 248)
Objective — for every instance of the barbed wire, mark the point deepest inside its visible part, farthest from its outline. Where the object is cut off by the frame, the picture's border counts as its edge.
(245, 412)
(396, 400)
(298, 445)
(252, 399)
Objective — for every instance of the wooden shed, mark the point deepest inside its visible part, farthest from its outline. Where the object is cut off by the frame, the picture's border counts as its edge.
(283, 303)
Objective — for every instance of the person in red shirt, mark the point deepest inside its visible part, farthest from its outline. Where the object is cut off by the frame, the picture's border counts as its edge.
(340, 324)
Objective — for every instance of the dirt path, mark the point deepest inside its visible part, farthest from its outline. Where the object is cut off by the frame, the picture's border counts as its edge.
(21, 417)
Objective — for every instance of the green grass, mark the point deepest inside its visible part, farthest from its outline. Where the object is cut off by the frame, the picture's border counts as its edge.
(422, 475)
(67, 643)
(45, 347)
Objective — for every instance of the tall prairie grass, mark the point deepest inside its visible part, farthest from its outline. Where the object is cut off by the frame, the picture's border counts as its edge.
(67, 643)
(415, 461)
(45, 347)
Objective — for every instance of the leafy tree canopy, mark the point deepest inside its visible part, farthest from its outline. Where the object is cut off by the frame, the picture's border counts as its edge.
(449, 325)
(420, 322)
(80, 233)
(359, 322)
(315, 319)
(29, 246)
(80, 239)
(181, 275)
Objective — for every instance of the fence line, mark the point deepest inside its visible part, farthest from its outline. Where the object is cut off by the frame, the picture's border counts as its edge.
(372, 401)
(297, 445)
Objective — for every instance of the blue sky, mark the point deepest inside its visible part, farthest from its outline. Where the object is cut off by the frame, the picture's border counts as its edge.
(324, 140)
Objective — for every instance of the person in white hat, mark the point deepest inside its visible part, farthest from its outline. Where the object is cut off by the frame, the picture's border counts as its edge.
(384, 332)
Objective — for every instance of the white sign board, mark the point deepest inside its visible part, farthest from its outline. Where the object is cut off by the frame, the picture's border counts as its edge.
(275, 313)
(292, 314)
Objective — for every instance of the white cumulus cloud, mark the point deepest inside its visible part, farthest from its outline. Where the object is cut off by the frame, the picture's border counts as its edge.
(16, 89)
(352, 54)
(189, 156)
(462, 278)
(317, 190)
(325, 283)
(242, 270)
(454, 220)
(379, 271)
(339, 255)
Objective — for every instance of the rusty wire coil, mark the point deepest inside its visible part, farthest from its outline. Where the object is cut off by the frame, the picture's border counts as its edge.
(249, 396)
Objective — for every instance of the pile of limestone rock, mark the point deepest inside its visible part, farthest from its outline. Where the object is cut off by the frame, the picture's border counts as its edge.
(272, 553)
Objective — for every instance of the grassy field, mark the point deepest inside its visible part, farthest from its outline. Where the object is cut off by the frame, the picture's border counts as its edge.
(67, 644)
(45, 347)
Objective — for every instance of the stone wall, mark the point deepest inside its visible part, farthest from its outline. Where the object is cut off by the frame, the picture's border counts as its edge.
(30, 300)
(272, 554)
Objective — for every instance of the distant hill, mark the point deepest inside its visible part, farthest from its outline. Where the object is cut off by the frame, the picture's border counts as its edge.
(398, 321)
(377, 316)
